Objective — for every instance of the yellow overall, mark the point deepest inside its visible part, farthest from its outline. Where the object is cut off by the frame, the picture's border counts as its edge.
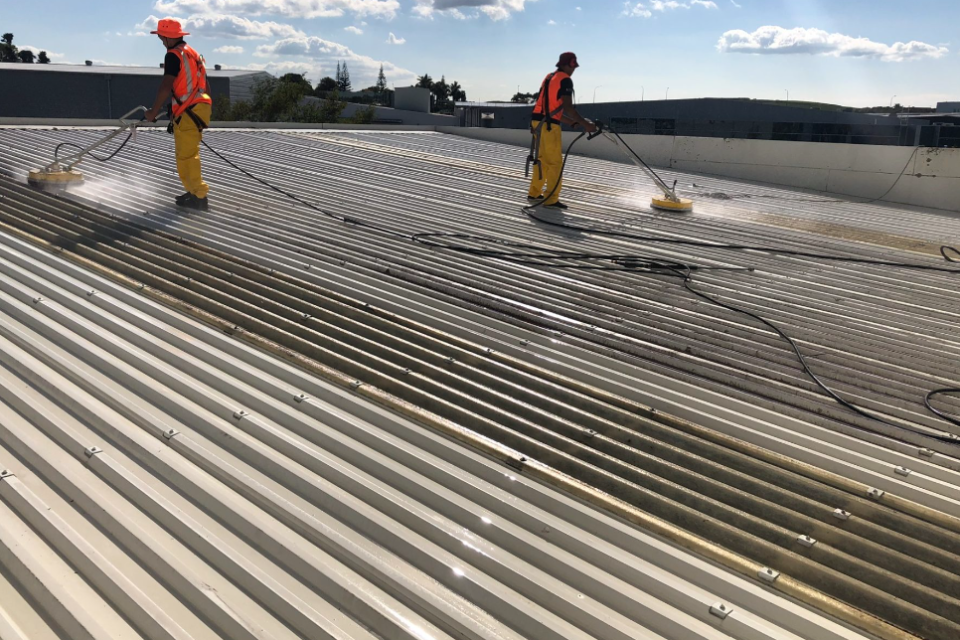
(547, 175)
(187, 139)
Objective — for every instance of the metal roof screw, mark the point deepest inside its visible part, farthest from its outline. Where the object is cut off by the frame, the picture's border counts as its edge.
(591, 433)
(926, 453)
(240, 414)
(305, 316)
(170, 434)
(840, 513)
(902, 471)
(524, 343)
(92, 451)
(721, 610)
(768, 575)
(807, 541)
(591, 328)
(875, 493)
(140, 286)
(488, 350)
(307, 267)
(406, 372)
(91, 293)
(38, 300)
(300, 398)
(450, 360)
(356, 384)
(6, 473)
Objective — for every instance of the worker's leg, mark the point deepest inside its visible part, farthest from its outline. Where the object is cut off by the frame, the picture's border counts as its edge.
(187, 139)
(539, 177)
(551, 155)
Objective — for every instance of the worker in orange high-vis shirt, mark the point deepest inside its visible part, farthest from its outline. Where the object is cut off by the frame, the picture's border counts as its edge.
(184, 80)
(554, 107)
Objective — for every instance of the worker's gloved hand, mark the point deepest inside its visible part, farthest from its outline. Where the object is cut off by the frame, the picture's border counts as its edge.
(590, 127)
(151, 115)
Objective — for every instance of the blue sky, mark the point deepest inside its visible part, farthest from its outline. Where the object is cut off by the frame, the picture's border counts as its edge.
(855, 52)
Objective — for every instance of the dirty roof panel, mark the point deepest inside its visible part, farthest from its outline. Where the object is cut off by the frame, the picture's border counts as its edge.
(550, 370)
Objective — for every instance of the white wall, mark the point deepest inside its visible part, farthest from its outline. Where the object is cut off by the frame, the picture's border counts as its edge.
(930, 177)
(412, 99)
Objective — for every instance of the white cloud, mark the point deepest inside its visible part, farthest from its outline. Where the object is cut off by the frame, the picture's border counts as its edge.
(777, 40)
(229, 49)
(494, 9)
(734, 3)
(356, 30)
(231, 27)
(395, 40)
(323, 55)
(640, 10)
(287, 8)
(552, 23)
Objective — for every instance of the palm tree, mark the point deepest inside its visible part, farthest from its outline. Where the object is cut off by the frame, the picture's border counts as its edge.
(457, 94)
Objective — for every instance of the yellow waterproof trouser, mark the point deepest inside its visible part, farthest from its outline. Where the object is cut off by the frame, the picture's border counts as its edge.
(547, 175)
(187, 139)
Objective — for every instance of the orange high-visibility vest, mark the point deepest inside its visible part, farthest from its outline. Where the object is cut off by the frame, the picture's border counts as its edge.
(548, 107)
(190, 87)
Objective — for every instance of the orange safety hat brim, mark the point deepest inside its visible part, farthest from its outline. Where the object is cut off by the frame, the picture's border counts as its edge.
(170, 29)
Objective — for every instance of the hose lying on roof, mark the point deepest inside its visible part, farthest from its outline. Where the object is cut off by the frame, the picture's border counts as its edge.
(548, 258)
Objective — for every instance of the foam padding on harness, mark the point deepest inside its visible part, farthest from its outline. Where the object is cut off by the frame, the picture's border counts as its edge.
(57, 179)
(665, 204)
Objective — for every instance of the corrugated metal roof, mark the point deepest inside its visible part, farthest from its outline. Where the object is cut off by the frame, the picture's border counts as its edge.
(550, 364)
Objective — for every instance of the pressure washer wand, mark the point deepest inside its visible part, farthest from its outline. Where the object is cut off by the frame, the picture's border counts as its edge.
(125, 123)
(61, 172)
(671, 201)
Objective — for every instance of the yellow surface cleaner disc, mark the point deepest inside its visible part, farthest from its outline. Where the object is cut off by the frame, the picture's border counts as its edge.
(666, 204)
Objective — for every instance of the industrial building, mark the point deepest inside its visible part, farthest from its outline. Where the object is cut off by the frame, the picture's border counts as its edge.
(734, 118)
(101, 92)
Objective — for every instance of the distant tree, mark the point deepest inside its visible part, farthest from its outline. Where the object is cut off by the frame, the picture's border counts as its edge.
(298, 78)
(332, 107)
(441, 90)
(222, 109)
(43, 59)
(8, 52)
(381, 85)
(241, 111)
(457, 94)
(327, 84)
(343, 77)
(26, 56)
(275, 100)
(522, 98)
(365, 116)
(425, 82)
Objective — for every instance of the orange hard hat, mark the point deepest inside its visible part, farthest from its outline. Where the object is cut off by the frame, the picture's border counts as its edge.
(170, 29)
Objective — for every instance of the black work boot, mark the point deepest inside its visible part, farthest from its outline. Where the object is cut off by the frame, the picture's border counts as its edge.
(195, 203)
(183, 198)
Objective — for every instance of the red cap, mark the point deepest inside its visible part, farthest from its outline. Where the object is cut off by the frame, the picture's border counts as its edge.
(568, 58)
(170, 29)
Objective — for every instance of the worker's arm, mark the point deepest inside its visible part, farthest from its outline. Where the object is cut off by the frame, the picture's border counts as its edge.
(163, 94)
(572, 117)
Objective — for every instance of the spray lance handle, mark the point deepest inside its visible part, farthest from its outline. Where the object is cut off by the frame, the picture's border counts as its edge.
(599, 131)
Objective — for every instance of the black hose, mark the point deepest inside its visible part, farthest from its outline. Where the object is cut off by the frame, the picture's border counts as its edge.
(56, 151)
(541, 257)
